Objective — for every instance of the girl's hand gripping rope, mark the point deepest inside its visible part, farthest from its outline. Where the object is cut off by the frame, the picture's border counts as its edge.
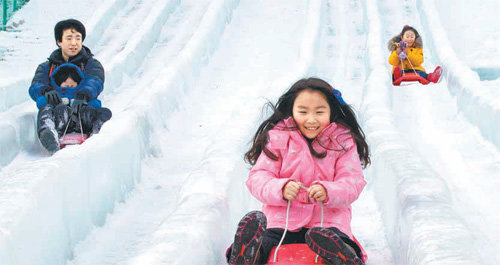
(316, 192)
(291, 190)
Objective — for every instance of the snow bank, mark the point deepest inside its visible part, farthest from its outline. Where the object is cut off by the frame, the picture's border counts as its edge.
(42, 217)
(15, 135)
(131, 57)
(478, 102)
(415, 202)
(220, 197)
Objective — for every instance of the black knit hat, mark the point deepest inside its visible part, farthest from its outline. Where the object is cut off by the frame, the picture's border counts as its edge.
(68, 24)
(63, 72)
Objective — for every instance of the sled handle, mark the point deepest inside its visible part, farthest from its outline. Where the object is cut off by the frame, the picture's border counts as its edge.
(286, 229)
(284, 232)
(69, 121)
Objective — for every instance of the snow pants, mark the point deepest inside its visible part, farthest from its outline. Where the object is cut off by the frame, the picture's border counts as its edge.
(61, 118)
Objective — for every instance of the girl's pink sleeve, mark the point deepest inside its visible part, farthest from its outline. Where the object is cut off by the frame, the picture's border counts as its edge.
(348, 180)
(263, 181)
(416, 56)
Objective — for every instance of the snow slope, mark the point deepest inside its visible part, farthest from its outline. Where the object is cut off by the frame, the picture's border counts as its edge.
(163, 182)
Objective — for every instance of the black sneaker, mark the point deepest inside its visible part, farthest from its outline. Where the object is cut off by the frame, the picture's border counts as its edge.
(328, 245)
(49, 140)
(248, 238)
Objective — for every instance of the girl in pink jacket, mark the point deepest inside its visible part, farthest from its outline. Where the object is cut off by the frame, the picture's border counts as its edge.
(307, 170)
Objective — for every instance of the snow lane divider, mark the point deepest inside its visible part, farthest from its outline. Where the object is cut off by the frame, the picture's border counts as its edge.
(215, 213)
(138, 46)
(415, 202)
(463, 82)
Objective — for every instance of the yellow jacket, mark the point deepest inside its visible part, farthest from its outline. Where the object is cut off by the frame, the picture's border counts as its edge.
(414, 55)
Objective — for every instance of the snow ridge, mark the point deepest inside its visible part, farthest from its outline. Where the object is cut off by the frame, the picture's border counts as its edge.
(415, 202)
(478, 103)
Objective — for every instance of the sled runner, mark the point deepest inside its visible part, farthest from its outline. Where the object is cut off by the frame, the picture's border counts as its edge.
(294, 254)
(72, 139)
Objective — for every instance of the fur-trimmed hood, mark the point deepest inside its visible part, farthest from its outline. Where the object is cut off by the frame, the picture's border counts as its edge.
(391, 44)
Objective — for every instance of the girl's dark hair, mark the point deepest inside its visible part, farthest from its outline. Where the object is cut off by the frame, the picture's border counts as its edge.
(418, 39)
(406, 28)
(340, 114)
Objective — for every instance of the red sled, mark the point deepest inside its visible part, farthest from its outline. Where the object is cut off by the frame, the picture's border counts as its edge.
(72, 139)
(410, 77)
(294, 254)
(414, 77)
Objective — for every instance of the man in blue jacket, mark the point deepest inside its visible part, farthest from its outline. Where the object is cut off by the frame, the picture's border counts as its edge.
(69, 35)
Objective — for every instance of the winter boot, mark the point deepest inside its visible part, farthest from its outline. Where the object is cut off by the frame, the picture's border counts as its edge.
(435, 76)
(87, 116)
(46, 129)
(49, 140)
(396, 73)
(328, 245)
(103, 115)
(248, 238)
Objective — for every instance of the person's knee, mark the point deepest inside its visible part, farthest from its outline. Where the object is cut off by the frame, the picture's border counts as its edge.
(88, 114)
(104, 114)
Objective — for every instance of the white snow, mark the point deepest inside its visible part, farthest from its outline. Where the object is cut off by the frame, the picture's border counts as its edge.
(163, 182)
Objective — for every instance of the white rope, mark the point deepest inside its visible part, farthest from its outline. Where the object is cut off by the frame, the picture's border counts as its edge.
(411, 65)
(80, 120)
(284, 232)
(286, 228)
(322, 218)
(69, 121)
(67, 125)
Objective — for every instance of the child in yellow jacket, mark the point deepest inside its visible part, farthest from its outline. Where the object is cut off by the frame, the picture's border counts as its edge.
(407, 55)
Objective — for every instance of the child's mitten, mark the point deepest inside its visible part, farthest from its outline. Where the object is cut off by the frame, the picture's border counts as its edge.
(402, 45)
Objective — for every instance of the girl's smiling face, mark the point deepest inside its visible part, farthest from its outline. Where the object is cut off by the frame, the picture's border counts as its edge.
(311, 112)
(409, 37)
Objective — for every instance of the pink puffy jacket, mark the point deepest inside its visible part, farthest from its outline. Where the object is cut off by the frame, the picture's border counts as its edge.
(339, 172)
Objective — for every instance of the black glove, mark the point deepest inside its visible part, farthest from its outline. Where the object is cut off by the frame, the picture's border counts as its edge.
(79, 101)
(77, 105)
(53, 97)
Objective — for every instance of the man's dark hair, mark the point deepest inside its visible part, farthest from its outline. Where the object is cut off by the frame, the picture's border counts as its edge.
(68, 24)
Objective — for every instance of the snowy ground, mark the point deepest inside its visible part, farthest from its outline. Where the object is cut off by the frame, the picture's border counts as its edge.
(163, 183)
